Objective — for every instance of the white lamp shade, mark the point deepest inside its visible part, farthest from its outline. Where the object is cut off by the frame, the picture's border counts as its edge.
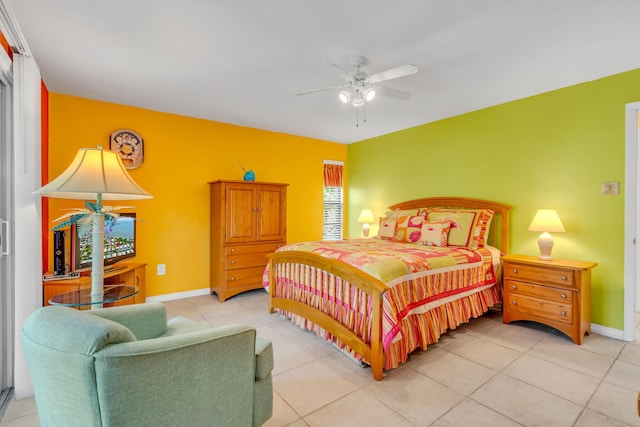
(366, 216)
(94, 171)
(547, 220)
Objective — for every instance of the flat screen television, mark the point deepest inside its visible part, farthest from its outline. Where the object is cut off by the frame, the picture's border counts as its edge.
(119, 242)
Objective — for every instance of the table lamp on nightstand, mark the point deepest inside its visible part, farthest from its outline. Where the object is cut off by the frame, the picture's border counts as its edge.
(547, 221)
(366, 216)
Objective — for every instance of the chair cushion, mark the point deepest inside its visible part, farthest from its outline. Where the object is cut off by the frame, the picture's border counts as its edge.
(180, 325)
(145, 321)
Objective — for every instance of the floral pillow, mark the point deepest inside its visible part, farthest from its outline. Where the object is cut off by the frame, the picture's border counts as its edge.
(408, 228)
(435, 233)
(387, 229)
(470, 227)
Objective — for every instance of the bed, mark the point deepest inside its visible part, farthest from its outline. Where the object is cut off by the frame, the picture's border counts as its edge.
(381, 298)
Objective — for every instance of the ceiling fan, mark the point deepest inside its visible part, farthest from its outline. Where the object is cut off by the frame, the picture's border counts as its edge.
(360, 87)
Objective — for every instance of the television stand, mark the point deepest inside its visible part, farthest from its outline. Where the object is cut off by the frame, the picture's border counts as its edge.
(114, 268)
(132, 274)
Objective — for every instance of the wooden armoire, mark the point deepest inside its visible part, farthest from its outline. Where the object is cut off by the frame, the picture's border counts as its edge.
(248, 222)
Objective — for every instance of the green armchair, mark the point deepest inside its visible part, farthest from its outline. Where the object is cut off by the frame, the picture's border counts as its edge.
(128, 366)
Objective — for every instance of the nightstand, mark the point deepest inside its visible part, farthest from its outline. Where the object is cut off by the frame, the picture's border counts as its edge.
(556, 293)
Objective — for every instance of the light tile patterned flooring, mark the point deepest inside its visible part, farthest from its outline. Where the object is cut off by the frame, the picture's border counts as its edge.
(484, 373)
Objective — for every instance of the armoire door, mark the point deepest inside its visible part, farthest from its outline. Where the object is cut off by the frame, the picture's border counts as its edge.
(240, 212)
(271, 210)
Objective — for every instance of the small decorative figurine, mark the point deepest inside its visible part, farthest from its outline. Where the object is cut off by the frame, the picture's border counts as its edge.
(249, 175)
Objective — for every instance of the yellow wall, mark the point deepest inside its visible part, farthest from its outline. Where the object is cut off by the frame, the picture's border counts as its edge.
(182, 154)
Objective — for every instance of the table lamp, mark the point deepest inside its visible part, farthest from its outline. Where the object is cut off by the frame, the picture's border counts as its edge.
(95, 174)
(366, 216)
(547, 221)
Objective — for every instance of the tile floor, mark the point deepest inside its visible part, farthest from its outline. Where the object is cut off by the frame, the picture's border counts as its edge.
(484, 373)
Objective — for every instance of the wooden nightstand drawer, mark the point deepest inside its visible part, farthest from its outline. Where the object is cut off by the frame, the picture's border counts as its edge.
(538, 274)
(549, 310)
(560, 295)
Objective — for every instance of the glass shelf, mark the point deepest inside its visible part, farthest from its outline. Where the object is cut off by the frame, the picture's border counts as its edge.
(82, 296)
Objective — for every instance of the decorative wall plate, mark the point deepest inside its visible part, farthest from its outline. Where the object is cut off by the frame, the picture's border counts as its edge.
(129, 146)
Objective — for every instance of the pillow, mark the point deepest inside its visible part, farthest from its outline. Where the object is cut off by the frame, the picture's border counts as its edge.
(387, 229)
(408, 228)
(399, 212)
(469, 228)
(435, 233)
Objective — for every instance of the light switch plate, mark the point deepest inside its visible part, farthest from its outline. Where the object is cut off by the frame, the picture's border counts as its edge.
(162, 269)
(610, 188)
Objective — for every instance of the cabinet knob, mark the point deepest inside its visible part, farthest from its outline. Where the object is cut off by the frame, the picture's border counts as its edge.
(233, 250)
(515, 270)
(564, 313)
(563, 277)
(514, 287)
(563, 296)
(232, 278)
(233, 262)
(514, 303)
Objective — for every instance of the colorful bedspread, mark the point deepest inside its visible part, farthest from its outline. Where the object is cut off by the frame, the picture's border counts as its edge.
(419, 278)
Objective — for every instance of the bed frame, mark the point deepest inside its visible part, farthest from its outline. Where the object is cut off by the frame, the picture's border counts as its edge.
(372, 352)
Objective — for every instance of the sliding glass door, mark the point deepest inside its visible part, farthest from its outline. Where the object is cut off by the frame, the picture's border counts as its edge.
(6, 240)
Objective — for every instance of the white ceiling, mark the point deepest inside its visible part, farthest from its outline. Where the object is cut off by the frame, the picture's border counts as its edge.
(242, 61)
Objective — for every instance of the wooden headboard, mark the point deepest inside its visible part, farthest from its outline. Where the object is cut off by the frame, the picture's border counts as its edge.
(499, 231)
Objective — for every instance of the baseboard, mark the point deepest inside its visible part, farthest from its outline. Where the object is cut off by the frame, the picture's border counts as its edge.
(607, 331)
(179, 295)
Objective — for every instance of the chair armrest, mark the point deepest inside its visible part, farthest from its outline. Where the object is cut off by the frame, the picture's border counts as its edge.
(264, 358)
(145, 321)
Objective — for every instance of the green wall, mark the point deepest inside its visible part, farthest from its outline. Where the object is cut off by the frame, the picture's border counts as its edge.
(550, 151)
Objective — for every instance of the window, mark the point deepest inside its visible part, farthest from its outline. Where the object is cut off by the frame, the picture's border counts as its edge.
(332, 219)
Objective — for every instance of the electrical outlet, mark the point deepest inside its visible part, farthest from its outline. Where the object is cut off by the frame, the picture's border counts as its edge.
(610, 188)
(162, 269)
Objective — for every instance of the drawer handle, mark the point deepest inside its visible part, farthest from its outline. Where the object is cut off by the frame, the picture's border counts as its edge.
(514, 303)
(563, 296)
(233, 278)
(515, 270)
(564, 313)
(563, 277)
(233, 262)
(233, 250)
(514, 287)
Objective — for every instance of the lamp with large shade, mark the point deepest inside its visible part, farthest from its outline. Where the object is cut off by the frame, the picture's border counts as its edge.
(95, 174)
(547, 221)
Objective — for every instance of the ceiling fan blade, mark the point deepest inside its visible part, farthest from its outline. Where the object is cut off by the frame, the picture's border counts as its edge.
(393, 73)
(338, 71)
(307, 92)
(393, 93)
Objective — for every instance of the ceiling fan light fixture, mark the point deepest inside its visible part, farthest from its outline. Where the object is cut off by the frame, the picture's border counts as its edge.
(344, 96)
(369, 94)
(357, 102)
